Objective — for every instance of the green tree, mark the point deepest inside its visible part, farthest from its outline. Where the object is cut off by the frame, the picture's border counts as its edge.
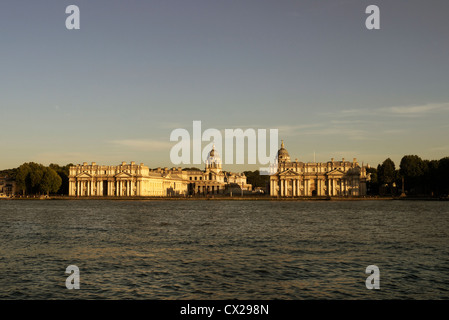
(386, 174)
(412, 169)
(443, 176)
(34, 178)
(430, 177)
(22, 176)
(256, 179)
(63, 172)
(372, 185)
(50, 181)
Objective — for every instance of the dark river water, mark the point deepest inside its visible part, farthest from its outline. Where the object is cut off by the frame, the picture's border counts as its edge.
(224, 249)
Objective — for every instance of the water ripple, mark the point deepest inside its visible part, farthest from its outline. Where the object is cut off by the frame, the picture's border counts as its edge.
(224, 249)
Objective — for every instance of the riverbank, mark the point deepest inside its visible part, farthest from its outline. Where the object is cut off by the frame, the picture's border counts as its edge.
(229, 198)
(220, 198)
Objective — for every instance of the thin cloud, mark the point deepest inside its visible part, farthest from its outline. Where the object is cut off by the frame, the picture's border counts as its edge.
(404, 111)
(417, 110)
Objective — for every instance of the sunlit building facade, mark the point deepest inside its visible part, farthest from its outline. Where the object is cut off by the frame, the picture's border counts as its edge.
(331, 178)
(128, 180)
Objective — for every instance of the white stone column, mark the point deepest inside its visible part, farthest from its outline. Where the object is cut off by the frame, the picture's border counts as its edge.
(333, 187)
(294, 188)
(282, 187)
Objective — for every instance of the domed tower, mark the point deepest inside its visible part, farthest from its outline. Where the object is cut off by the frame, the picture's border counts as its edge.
(213, 161)
(282, 155)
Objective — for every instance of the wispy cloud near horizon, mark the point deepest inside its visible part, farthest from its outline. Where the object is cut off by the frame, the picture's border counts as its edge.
(405, 110)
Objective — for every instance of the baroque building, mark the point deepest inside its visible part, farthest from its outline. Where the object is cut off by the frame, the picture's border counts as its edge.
(213, 180)
(127, 180)
(122, 180)
(331, 178)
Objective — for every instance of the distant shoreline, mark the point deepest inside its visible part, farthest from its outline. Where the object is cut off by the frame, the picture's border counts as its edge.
(228, 198)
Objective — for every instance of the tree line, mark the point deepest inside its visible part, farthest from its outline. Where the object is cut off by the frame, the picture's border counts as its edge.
(36, 179)
(417, 177)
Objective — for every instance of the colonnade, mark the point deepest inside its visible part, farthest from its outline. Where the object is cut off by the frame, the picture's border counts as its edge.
(119, 188)
(288, 187)
(207, 189)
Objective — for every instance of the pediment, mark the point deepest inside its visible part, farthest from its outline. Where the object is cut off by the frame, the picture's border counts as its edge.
(123, 175)
(287, 173)
(84, 175)
(335, 172)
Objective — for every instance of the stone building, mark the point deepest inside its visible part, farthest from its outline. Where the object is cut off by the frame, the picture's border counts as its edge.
(7, 186)
(127, 180)
(122, 180)
(213, 180)
(331, 178)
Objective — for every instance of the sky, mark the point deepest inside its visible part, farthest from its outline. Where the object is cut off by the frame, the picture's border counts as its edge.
(136, 70)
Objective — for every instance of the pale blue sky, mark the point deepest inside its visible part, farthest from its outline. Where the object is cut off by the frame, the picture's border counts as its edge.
(114, 90)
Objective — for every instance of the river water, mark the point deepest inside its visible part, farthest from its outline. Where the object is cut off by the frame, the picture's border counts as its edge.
(201, 249)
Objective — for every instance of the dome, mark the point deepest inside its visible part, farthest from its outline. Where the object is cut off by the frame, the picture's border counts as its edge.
(282, 154)
(213, 159)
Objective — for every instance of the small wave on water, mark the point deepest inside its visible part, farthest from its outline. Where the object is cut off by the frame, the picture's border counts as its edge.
(223, 250)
